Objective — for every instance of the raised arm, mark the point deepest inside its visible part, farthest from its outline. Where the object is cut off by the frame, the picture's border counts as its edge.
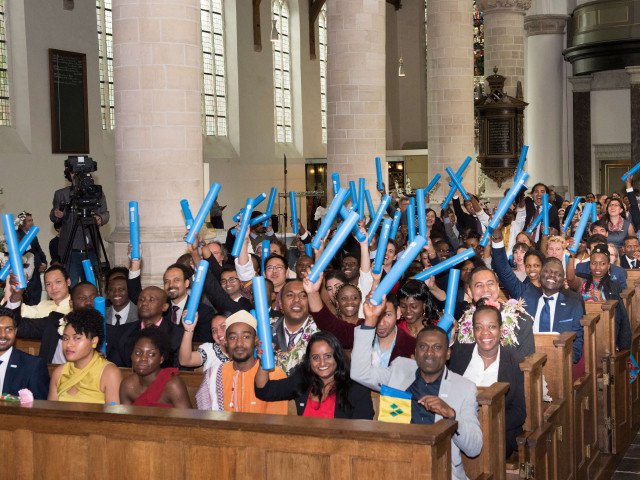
(500, 263)
(186, 356)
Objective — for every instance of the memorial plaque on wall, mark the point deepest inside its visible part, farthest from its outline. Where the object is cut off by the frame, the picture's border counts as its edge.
(69, 109)
(499, 136)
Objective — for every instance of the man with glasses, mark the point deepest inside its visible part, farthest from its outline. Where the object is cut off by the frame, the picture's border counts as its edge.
(18, 369)
(230, 283)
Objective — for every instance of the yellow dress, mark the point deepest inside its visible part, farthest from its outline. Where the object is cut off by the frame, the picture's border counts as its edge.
(86, 381)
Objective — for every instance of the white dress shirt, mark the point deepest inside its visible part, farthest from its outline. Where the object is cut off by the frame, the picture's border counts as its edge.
(552, 307)
(124, 313)
(478, 374)
(181, 305)
(4, 358)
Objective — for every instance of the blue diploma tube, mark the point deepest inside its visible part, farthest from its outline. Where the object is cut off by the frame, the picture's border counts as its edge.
(382, 246)
(22, 247)
(329, 217)
(335, 181)
(344, 213)
(446, 265)
(594, 214)
(367, 197)
(633, 171)
(535, 223)
(89, 276)
(361, 198)
(422, 215)
(379, 181)
(545, 213)
(336, 242)
(186, 211)
(308, 249)
(244, 224)
(272, 198)
(259, 288)
(256, 202)
(572, 212)
(375, 223)
(354, 194)
(205, 208)
(446, 322)
(396, 224)
(452, 191)
(457, 183)
(264, 254)
(582, 226)
(294, 213)
(15, 259)
(398, 269)
(523, 158)
(411, 223)
(196, 291)
(432, 184)
(134, 230)
(100, 304)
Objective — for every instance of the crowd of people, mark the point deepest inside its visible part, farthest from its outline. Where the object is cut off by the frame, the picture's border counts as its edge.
(332, 345)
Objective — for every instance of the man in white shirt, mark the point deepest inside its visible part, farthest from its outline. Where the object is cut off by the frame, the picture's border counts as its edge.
(56, 283)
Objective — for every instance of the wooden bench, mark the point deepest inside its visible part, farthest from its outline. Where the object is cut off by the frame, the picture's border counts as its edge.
(95, 441)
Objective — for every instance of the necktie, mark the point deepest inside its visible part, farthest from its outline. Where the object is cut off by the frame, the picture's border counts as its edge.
(545, 316)
(174, 314)
(292, 340)
(633, 264)
(118, 318)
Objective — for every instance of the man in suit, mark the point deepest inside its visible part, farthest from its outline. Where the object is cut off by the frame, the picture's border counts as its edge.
(437, 392)
(552, 310)
(18, 369)
(177, 280)
(631, 257)
(291, 332)
(122, 310)
(45, 329)
(533, 207)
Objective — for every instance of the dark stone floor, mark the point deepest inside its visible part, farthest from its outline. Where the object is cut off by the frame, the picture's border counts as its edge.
(629, 466)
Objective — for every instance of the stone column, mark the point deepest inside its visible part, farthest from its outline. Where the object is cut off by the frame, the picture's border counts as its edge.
(581, 134)
(634, 80)
(356, 130)
(157, 85)
(544, 90)
(450, 89)
(504, 39)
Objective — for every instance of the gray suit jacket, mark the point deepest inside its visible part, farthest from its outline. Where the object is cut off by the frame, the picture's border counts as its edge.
(458, 392)
(131, 317)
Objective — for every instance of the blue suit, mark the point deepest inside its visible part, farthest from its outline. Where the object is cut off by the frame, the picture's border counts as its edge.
(569, 309)
(26, 371)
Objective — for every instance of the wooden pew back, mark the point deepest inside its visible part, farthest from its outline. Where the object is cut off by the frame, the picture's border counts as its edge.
(605, 328)
(95, 441)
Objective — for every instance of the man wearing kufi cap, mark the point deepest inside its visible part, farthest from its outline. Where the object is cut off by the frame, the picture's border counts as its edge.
(238, 375)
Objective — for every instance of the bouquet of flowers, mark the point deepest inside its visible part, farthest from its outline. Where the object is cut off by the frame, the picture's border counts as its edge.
(511, 311)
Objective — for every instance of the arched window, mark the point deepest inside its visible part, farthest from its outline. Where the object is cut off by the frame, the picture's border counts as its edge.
(322, 45)
(105, 67)
(5, 110)
(215, 88)
(282, 72)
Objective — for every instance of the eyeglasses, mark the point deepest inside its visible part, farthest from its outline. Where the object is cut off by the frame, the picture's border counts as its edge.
(274, 268)
(229, 280)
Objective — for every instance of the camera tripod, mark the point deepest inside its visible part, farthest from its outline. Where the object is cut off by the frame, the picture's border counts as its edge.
(85, 220)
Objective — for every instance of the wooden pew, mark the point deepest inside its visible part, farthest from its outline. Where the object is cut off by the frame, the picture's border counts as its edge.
(614, 396)
(32, 347)
(535, 445)
(585, 392)
(94, 441)
(490, 464)
(557, 371)
(633, 309)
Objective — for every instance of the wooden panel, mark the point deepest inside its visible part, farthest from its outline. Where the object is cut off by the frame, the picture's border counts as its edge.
(290, 465)
(620, 411)
(200, 459)
(363, 468)
(60, 457)
(605, 328)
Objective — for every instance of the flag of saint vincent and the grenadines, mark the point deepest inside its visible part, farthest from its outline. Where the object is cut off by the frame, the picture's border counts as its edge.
(395, 405)
(634, 371)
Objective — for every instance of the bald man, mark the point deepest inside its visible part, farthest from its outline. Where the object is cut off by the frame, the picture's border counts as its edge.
(152, 304)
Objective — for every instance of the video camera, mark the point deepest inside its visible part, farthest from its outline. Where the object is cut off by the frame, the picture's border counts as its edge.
(85, 196)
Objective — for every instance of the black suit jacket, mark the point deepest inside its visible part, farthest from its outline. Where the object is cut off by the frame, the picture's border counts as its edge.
(120, 342)
(26, 371)
(290, 388)
(554, 220)
(202, 332)
(44, 329)
(218, 297)
(508, 372)
(625, 264)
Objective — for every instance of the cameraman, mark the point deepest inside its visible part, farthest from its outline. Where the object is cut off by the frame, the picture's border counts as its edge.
(62, 211)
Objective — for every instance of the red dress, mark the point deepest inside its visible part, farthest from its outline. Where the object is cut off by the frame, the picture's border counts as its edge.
(151, 396)
(324, 409)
